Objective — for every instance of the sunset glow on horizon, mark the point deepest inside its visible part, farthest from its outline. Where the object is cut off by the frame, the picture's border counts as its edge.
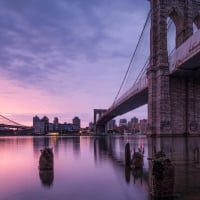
(65, 58)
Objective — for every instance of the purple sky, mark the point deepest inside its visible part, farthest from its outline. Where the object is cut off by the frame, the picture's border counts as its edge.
(65, 57)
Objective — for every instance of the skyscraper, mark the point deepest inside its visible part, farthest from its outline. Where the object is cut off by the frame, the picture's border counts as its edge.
(76, 123)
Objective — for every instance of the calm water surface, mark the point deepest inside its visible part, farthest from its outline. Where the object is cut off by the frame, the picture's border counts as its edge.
(93, 168)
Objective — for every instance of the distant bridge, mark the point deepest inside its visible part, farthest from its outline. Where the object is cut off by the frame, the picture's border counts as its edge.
(6, 123)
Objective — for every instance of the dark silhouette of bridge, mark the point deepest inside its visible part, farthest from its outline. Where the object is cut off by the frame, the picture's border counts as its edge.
(167, 82)
(6, 124)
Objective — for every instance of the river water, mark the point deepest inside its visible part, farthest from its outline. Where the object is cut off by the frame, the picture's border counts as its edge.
(94, 168)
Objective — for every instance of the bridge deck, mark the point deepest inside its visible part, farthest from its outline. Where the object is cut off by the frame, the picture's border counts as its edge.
(187, 55)
(186, 58)
(135, 97)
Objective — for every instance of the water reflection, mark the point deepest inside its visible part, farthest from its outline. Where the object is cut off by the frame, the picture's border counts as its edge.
(137, 174)
(46, 167)
(40, 143)
(162, 182)
(114, 150)
(180, 167)
(46, 177)
(182, 182)
(96, 166)
(76, 146)
(127, 174)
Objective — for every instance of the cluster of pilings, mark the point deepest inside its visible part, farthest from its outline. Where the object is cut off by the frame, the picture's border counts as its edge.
(162, 173)
(134, 161)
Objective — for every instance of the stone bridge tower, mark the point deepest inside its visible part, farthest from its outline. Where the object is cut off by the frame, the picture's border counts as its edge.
(173, 101)
(101, 127)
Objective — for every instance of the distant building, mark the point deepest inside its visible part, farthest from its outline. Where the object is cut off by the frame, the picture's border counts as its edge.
(134, 125)
(111, 125)
(36, 125)
(66, 127)
(40, 126)
(51, 127)
(143, 126)
(55, 124)
(123, 126)
(76, 123)
(134, 120)
(91, 126)
(45, 123)
(123, 122)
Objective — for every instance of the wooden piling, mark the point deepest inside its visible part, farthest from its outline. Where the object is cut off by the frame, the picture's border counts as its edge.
(127, 155)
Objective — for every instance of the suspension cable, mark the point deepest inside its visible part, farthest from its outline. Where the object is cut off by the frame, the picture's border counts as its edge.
(10, 120)
(141, 73)
(148, 16)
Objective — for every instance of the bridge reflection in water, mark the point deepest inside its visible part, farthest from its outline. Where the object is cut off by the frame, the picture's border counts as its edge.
(96, 166)
(183, 152)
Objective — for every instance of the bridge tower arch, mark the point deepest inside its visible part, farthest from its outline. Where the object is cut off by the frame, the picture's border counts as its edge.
(100, 128)
(173, 102)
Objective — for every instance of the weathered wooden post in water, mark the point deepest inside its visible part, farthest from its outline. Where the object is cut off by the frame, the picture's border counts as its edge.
(46, 165)
(127, 155)
(162, 182)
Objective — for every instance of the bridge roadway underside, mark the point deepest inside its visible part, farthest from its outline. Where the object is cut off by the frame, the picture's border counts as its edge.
(191, 68)
(188, 67)
(192, 63)
(130, 103)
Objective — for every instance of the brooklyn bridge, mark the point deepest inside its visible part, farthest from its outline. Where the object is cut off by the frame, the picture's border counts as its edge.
(166, 79)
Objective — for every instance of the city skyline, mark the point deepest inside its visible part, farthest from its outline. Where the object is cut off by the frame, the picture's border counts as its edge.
(70, 122)
(65, 58)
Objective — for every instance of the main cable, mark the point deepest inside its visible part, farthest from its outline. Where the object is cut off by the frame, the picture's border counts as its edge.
(148, 16)
(169, 24)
